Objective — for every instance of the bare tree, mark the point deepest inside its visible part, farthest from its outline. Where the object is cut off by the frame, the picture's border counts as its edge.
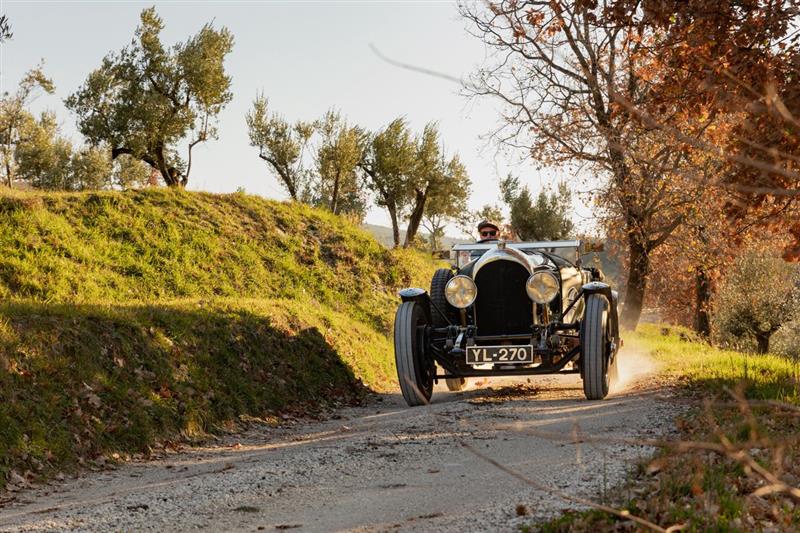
(5, 29)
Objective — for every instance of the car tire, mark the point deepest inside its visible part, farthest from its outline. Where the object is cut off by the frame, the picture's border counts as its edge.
(415, 370)
(456, 384)
(438, 299)
(594, 338)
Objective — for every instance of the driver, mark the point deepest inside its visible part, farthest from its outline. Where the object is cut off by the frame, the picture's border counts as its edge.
(488, 231)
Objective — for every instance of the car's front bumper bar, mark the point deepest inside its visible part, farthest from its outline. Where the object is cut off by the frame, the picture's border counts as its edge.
(453, 371)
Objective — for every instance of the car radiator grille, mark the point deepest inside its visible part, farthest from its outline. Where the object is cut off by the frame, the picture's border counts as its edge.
(502, 306)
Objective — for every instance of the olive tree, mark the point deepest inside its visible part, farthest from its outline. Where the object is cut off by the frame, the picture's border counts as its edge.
(282, 146)
(90, 168)
(759, 294)
(45, 159)
(42, 156)
(131, 173)
(147, 98)
(15, 119)
(434, 178)
(338, 155)
(445, 204)
(411, 177)
(388, 161)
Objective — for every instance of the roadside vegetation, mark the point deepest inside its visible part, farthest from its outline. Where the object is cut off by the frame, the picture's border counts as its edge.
(138, 318)
(734, 464)
(144, 316)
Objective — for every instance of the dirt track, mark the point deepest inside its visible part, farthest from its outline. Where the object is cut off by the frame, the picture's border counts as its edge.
(382, 467)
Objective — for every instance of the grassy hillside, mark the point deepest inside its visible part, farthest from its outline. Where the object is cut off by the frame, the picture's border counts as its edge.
(133, 317)
(709, 369)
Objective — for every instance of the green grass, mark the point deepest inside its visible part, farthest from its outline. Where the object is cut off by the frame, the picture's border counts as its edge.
(142, 317)
(704, 367)
(156, 244)
(701, 491)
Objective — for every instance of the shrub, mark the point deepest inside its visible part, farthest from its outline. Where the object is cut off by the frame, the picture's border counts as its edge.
(758, 295)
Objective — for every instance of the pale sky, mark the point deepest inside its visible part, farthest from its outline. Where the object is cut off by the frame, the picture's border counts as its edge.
(306, 56)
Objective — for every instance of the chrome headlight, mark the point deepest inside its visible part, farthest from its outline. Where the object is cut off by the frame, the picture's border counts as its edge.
(542, 287)
(460, 291)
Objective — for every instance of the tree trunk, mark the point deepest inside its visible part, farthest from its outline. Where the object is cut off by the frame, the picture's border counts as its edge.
(637, 283)
(167, 173)
(435, 239)
(702, 322)
(415, 218)
(172, 178)
(762, 338)
(335, 194)
(395, 225)
(285, 176)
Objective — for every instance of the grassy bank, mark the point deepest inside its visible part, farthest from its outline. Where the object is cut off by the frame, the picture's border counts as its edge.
(138, 317)
(744, 428)
(706, 369)
(164, 244)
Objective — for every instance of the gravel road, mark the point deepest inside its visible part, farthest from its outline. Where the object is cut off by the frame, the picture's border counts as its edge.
(381, 467)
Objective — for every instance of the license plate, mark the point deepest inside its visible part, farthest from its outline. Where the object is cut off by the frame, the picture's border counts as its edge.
(478, 355)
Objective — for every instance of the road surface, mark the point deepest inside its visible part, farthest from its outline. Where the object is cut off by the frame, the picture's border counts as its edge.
(381, 467)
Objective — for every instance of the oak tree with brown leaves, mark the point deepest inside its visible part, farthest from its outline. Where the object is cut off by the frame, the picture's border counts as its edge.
(740, 60)
(570, 79)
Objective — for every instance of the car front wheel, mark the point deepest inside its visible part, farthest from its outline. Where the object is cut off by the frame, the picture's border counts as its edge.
(595, 348)
(415, 370)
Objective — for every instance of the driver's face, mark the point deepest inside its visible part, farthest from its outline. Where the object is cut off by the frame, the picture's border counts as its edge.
(487, 233)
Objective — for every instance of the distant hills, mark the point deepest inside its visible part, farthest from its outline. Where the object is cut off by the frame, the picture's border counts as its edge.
(384, 236)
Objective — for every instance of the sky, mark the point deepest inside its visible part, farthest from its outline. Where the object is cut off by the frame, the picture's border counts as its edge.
(307, 57)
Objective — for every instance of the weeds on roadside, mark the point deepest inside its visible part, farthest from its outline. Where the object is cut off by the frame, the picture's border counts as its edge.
(736, 465)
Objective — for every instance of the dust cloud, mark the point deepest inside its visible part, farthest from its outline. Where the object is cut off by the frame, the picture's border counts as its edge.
(632, 366)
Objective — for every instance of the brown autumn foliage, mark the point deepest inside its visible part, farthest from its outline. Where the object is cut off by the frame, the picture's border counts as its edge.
(739, 60)
(737, 63)
(571, 80)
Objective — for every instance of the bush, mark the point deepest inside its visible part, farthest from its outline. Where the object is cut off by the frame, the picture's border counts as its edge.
(757, 296)
(787, 340)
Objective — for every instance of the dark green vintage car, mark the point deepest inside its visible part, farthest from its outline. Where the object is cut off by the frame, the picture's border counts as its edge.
(508, 309)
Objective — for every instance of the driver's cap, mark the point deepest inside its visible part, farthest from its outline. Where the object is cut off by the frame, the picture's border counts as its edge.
(488, 224)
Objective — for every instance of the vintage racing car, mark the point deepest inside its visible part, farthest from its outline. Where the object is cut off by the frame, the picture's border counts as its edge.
(508, 309)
